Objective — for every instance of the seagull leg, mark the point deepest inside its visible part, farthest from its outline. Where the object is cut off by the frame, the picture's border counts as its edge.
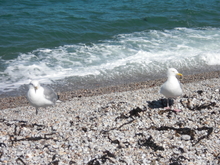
(176, 110)
(168, 106)
(36, 110)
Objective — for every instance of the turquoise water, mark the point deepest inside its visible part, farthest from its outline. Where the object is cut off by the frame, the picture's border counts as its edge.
(88, 42)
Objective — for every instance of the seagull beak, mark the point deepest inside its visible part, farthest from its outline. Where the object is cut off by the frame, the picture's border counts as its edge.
(179, 74)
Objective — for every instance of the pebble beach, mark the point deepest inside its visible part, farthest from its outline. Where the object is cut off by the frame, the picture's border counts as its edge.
(116, 125)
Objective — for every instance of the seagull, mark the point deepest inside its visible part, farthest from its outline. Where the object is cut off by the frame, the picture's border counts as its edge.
(172, 87)
(40, 96)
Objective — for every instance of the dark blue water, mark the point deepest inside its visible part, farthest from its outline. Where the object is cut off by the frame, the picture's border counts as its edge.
(83, 42)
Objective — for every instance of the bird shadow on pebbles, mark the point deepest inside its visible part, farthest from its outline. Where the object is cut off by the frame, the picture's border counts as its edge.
(161, 103)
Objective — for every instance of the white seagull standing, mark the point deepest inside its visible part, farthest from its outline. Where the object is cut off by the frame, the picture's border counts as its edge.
(172, 87)
(39, 96)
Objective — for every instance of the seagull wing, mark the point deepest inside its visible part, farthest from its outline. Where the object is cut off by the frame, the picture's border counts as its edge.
(50, 94)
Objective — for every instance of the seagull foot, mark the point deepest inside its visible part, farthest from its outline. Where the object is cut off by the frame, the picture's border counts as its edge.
(177, 110)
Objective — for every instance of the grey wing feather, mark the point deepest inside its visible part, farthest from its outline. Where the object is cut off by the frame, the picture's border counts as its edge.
(50, 94)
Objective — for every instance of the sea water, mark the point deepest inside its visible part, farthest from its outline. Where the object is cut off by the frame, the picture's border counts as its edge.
(82, 44)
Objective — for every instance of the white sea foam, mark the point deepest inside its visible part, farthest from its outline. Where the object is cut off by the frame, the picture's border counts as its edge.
(125, 55)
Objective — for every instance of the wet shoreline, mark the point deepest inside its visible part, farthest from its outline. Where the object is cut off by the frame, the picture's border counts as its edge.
(13, 102)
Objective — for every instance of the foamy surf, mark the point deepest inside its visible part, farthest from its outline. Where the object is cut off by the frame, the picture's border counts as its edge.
(125, 55)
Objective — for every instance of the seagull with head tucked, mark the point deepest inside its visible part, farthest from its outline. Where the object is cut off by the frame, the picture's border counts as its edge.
(171, 89)
(40, 96)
